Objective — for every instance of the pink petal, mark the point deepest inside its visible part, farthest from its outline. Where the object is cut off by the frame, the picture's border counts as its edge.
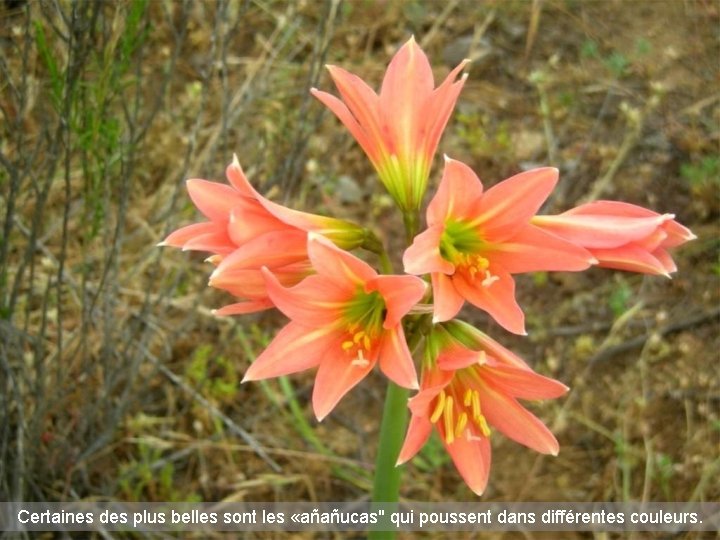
(369, 145)
(336, 376)
(515, 422)
(423, 256)
(250, 283)
(457, 357)
(665, 260)
(214, 200)
(215, 242)
(433, 381)
(497, 351)
(315, 301)
(598, 231)
(249, 220)
(441, 104)
(295, 348)
(472, 459)
(677, 234)
(457, 196)
(395, 359)
(273, 249)
(400, 293)
(631, 258)
(498, 300)
(509, 205)
(447, 301)
(521, 383)
(238, 180)
(417, 434)
(340, 266)
(184, 234)
(531, 250)
(242, 308)
(407, 84)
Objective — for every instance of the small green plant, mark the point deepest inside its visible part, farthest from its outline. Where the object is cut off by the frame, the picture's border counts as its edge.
(619, 298)
(704, 172)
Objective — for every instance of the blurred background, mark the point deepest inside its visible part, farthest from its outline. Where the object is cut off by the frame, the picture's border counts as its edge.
(117, 382)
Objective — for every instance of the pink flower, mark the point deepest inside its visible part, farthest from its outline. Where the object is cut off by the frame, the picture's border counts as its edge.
(246, 231)
(399, 129)
(344, 319)
(476, 240)
(465, 391)
(621, 235)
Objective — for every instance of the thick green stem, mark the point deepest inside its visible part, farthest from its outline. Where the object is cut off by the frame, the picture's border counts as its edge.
(386, 487)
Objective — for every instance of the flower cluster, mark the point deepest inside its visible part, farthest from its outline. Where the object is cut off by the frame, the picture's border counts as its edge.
(345, 317)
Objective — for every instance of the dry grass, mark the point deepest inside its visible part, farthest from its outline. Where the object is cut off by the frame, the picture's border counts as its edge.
(116, 381)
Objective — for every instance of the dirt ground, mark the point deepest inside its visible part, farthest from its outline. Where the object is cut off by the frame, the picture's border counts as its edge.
(119, 383)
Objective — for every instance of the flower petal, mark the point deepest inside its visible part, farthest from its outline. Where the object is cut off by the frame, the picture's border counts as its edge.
(213, 199)
(509, 205)
(418, 432)
(315, 301)
(338, 265)
(447, 301)
(273, 249)
(295, 348)
(336, 376)
(457, 196)
(423, 256)
(241, 308)
(631, 258)
(532, 250)
(182, 235)
(471, 457)
(497, 299)
(516, 422)
(407, 84)
(400, 293)
(395, 359)
(521, 383)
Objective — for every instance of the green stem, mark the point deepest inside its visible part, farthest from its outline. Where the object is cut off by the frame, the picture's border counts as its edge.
(386, 488)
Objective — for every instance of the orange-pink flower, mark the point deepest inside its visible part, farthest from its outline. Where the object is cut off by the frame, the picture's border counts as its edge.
(246, 231)
(621, 235)
(400, 128)
(345, 318)
(471, 384)
(476, 240)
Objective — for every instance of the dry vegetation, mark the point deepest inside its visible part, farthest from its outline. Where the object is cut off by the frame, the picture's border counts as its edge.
(117, 382)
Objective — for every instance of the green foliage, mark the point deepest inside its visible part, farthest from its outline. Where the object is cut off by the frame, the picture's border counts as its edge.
(149, 475)
(617, 63)
(619, 298)
(215, 374)
(707, 171)
(663, 471)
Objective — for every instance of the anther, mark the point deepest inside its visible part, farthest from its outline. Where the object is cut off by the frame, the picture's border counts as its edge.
(448, 417)
(435, 416)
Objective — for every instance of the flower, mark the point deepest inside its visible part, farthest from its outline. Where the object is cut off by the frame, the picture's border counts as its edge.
(246, 231)
(621, 235)
(344, 319)
(475, 241)
(471, 383)
(400, 128)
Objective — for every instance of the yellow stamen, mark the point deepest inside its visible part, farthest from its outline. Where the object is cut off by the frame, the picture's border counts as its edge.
(476, 406)
(366, 342)
(484, 426)
(357, 337)
(461, 423)
(448, 417)
(438, 407)
(347, 345)
(467, 399)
